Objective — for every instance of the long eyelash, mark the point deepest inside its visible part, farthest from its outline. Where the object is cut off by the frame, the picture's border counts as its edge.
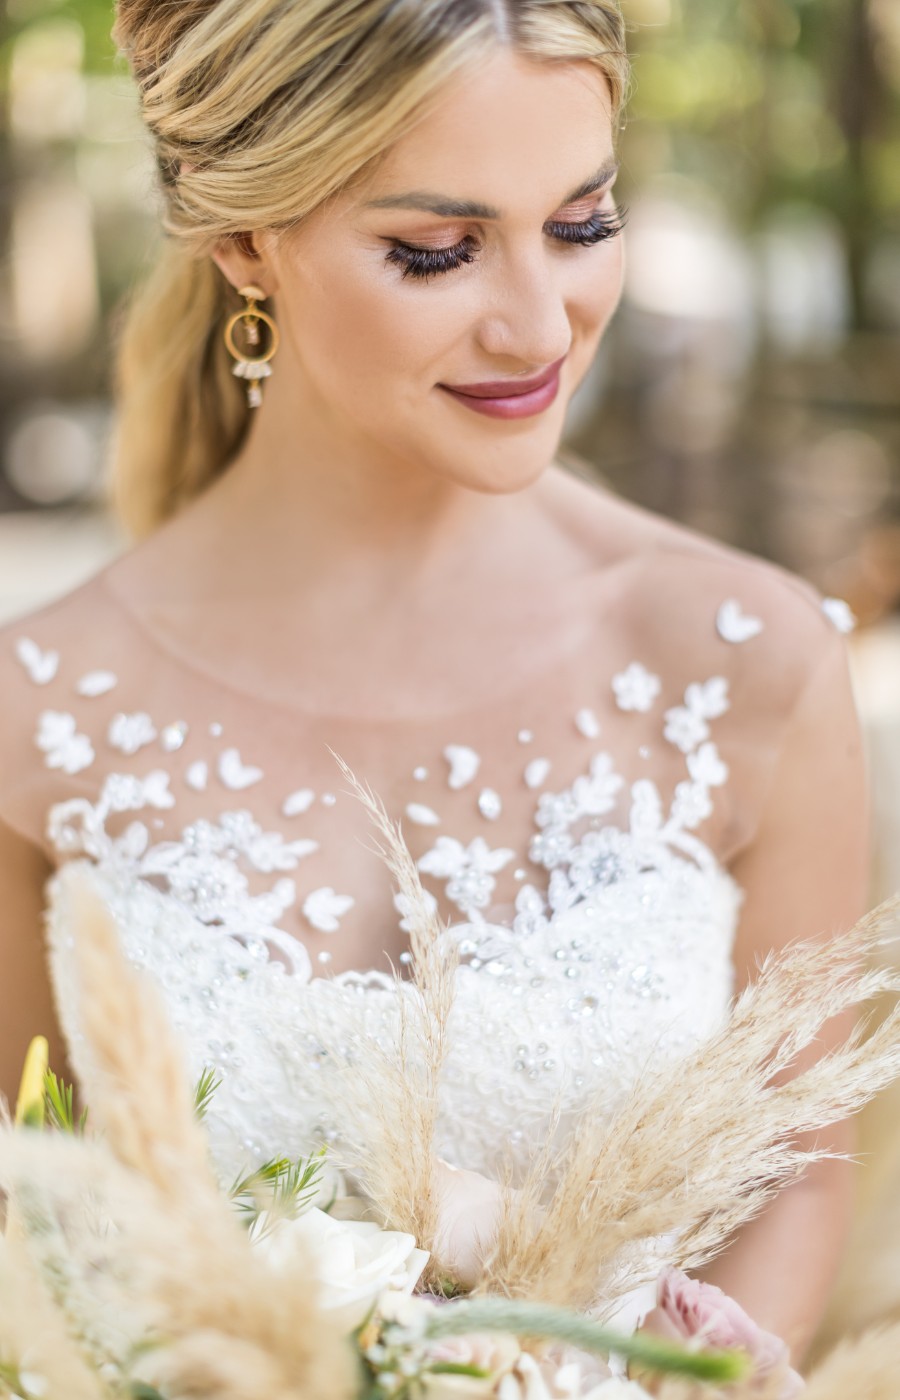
(602, 225)
(428, 262)
(425, 262)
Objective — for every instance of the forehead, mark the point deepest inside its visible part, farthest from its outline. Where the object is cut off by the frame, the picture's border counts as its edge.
(510, 130)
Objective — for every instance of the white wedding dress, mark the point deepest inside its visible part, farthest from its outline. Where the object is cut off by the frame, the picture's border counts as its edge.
(575, 834)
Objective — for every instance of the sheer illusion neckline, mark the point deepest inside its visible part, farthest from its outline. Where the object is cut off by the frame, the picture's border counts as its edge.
(558, 661)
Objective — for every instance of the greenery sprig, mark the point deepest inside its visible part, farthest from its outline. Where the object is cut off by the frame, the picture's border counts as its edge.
(207, 1085)
(540, 1320)
(59, 1105)
(280, 1189)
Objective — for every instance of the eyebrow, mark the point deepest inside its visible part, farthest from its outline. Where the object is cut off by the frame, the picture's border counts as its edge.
(468, 209)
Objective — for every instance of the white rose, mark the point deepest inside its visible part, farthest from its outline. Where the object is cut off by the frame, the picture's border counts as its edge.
(354, 1260)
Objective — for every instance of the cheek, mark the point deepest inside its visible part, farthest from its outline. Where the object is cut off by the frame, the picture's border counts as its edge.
(363, 326)
(604, 293)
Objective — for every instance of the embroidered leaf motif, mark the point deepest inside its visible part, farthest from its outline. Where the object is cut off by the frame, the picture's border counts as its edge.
(40, 665)
(323, 908)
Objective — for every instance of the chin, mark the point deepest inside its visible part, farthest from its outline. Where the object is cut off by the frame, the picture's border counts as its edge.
(502, 473)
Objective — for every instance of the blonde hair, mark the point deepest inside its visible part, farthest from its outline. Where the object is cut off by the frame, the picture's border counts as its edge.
(261, 110)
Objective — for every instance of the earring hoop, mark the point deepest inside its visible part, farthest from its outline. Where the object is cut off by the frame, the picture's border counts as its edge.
(253, 368)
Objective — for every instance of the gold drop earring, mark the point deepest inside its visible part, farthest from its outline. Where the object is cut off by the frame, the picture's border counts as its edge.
(253, 368)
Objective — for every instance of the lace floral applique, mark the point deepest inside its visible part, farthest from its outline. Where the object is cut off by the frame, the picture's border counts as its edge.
(605, 856)
(65, 748)
(591, 795)
(686, 725)
(201, 868)
(635, 688)
(131, 732)
(79, 826)
(468, 870)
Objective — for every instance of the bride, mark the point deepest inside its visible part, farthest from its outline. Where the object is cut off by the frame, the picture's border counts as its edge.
(625, 757)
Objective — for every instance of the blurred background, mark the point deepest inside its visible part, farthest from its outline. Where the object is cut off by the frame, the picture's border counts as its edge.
(749, 386)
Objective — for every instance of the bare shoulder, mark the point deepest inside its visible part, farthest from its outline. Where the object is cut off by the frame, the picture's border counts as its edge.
(690, 607)
(45, 655)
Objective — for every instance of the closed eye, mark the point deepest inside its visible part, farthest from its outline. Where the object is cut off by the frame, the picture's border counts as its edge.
(602, 225)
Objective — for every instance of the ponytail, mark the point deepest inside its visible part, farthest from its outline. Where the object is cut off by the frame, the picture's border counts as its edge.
(182, 414)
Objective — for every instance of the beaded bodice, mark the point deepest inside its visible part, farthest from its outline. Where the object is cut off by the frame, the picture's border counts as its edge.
(568, 838)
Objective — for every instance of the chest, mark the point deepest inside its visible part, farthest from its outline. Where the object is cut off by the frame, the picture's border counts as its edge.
(511, 811)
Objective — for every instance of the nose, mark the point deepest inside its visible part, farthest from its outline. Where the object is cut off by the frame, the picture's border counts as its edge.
(526, 318)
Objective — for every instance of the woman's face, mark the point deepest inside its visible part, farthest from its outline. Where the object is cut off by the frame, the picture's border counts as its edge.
(502, 198)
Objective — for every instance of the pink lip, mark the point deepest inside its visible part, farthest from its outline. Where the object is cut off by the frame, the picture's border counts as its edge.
(510, 398)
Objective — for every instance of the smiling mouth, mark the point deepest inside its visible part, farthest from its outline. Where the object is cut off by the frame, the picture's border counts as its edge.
(509, 398)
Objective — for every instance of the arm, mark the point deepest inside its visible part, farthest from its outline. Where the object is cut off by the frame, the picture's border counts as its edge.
(26, 1003)
(805, 876)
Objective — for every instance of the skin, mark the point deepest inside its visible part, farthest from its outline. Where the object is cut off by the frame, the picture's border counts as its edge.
(360, 478)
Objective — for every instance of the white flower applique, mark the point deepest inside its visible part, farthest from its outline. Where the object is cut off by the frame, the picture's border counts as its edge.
(202, 872)
(200, 869)
(595, 792)
(79, 826)
(600, 858)
(131, 732)
(531, 914)
(686, 725)
(635, 688)
(468, 870)
(692, 803)
(65, 748)
(591, 795)
(646, 815)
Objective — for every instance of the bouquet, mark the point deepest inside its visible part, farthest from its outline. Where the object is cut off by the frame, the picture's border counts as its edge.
(127, 1269)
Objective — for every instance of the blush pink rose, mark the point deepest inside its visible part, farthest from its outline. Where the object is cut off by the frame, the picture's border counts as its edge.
(688, 1310)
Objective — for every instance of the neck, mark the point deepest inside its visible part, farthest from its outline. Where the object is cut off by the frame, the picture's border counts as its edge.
(306, 503)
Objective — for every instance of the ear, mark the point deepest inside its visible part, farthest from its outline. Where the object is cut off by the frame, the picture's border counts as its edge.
(242, 260)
